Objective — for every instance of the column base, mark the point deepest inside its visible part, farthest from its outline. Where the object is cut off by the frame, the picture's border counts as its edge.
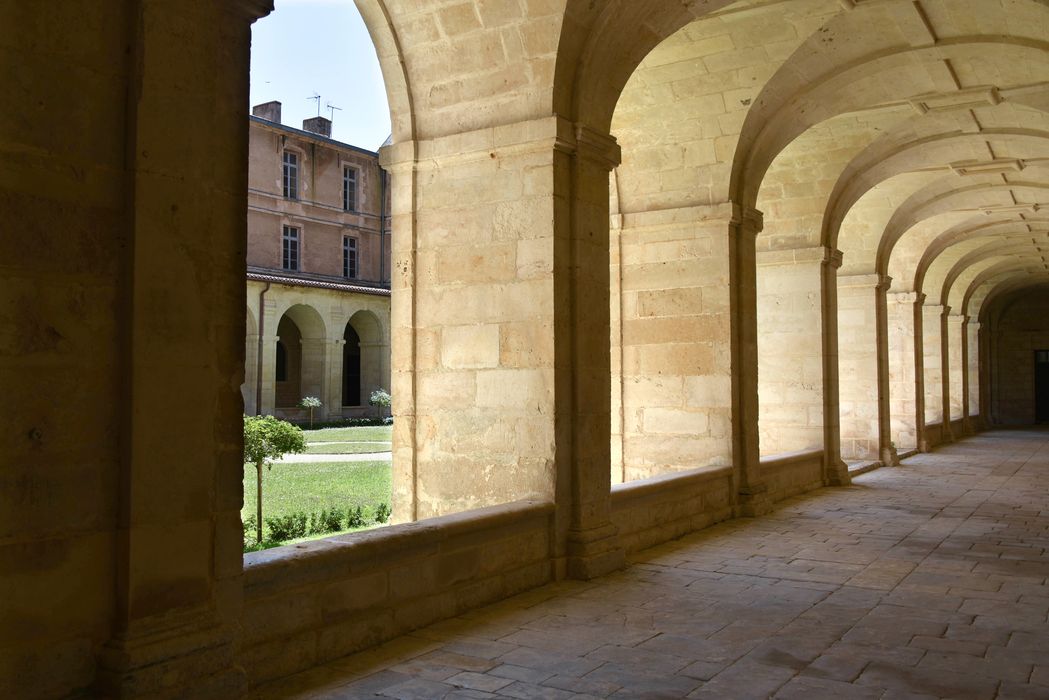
(837, 473)
(753, 501)
(889, 457)
(171, 659)
(594, 552)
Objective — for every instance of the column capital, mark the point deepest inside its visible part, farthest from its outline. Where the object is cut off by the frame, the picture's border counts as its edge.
(832, 257)
(957, 318)
(747, 219)
(938, 309)
(875, 281)
(248, 9)
(906, 297)
(588, 143)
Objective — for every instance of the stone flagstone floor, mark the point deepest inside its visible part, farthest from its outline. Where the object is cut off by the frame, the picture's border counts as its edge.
(923, 581)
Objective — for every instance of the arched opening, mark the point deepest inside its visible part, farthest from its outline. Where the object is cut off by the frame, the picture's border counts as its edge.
(351, 367)
(288, 364)
(297, 363)
(365, 361)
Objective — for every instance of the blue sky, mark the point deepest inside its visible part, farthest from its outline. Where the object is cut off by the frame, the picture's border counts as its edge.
(320, 46)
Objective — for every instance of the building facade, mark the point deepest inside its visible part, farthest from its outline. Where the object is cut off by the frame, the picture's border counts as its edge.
(318, 316)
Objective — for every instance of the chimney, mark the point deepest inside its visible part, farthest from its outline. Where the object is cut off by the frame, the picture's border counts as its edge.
(270, 111)
(317, 125)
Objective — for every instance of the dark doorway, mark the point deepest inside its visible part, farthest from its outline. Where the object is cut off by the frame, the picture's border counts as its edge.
(351, 368)
(1041, 386)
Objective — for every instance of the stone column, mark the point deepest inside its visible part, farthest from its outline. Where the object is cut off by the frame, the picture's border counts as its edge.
(945, 374)
(835, 471)
(956, 358)
(886, 442)
(251, 370)
(932, 348)
(617, 340)
(176, 549)
(919, 370)
(973, 411)
(334, 378)
(269, 374)
(400, 160)
(860, 298)
(501, 328)
(752, 492)
(581, 348)
(903, 313)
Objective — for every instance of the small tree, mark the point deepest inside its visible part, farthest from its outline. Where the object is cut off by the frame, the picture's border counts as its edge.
(266, 439)
(310, 402)
(380, 398)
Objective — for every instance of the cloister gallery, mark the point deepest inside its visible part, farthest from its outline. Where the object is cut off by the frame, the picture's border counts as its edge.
(656, 264)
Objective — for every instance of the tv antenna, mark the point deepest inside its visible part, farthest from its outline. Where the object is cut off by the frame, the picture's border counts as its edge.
(331, 110)
(318, 98)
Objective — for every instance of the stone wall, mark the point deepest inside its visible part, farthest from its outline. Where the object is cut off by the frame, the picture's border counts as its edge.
(790, 474)
(790, 352)
(309, 603)
(650, 511)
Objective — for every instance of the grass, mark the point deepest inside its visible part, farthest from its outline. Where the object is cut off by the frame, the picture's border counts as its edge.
(346, 448)
(376, 433)
(311, 487)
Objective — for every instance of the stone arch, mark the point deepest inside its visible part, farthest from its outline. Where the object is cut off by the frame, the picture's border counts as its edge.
(972, 229)
(393, 66)
(363, 358)
(301, 352)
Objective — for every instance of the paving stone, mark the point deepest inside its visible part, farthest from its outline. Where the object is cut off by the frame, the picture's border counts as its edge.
(520, 673)
(745, 680)
(935, 682)
(479, 681)
(809, 687)
(417, 689)
(583, 686)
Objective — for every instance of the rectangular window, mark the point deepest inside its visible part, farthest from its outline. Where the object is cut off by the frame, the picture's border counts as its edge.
(349, 189)
(291, 175)
(349, 257)
(290, 248)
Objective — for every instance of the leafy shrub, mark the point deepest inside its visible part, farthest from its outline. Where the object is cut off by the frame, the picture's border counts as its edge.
(288, 527)
(382, 513)
(388, 420)
(331, 520)
(355, 518)
(250, 526)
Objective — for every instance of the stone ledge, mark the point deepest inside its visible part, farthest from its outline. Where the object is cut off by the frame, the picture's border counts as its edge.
(623, 494)
(788, 458)
(665, 507)
(343, 556)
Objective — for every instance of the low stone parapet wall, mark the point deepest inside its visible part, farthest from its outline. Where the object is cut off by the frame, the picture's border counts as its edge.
(662, 508)
(309, 603)
(933, 435)
(791, 473)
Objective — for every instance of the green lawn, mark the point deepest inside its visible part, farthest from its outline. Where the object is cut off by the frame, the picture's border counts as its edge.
(376, 433)
(346, 448)
(287, 488)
